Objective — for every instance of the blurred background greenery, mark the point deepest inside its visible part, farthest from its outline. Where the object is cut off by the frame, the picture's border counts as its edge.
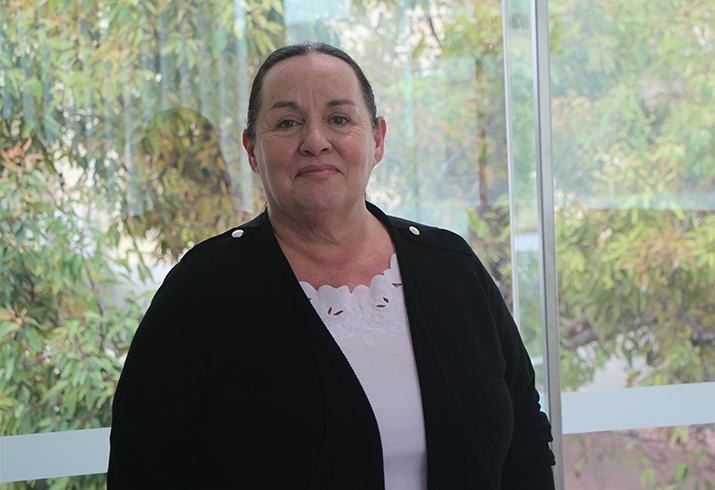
(120, 139)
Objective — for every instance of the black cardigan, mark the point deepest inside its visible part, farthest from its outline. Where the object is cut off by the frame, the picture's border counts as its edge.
(233, 381)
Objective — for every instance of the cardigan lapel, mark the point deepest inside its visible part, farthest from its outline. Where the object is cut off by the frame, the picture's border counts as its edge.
(351, 457)
(352, 453)
(454, 456)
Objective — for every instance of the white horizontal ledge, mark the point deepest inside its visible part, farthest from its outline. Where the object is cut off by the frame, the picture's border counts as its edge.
(638, 408)
(54, 455)
(86, 452)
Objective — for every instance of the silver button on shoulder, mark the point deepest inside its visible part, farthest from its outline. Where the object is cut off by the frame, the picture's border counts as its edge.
(237, 233)
(414, 230)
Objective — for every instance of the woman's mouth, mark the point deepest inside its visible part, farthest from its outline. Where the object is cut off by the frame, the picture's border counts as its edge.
(317, 171)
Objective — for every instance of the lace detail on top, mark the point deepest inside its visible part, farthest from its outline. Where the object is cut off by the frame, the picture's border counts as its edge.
(370, 326)
(366, 313)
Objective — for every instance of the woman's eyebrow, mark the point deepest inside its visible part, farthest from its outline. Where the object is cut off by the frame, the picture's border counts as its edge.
(337, 102)
(293, 105)
(284, 103)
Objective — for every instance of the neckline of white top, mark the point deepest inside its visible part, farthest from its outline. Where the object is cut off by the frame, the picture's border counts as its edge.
(388, 280)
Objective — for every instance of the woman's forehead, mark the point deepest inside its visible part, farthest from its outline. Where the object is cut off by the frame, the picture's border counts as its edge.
(316, 73)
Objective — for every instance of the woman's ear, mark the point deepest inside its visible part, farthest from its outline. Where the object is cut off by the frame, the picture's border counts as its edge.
(379, 136)
(251, 151)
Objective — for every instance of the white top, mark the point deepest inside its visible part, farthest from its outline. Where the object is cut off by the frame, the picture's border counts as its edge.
(370, 326)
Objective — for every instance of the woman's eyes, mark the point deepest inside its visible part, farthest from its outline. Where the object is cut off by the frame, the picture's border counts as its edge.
(335, 120)
(287, 123)
(339, 120)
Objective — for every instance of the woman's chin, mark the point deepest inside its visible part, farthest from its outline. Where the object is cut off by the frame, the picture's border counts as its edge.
(326, 202)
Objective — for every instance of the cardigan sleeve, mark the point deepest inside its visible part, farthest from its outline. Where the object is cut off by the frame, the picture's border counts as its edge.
(484, 358)
(156, 401)
(529, 459)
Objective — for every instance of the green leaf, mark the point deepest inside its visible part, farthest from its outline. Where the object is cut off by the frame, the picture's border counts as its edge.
(647, 477)
(681, 474)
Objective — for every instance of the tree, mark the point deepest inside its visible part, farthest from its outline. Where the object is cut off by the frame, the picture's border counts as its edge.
(87, 80)
(632, 119)
(120, 131)
(87, 183)
(61, 335)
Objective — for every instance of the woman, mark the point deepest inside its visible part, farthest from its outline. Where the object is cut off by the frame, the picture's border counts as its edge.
(324, 345)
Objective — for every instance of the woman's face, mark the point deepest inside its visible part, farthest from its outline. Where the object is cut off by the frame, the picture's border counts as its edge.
(315, 146)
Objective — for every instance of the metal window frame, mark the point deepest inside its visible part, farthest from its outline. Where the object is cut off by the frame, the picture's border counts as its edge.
(546, 225)
(545, 212)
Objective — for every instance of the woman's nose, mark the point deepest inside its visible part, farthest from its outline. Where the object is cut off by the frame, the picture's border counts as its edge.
(315, 141)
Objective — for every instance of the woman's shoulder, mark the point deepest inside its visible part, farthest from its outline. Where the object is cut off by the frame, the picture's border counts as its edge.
(231, 251)
(430, 236)
(422, 234)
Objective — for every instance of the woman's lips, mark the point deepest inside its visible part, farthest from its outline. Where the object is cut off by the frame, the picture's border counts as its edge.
(317, 171)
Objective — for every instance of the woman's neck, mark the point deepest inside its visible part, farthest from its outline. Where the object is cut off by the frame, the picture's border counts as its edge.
(334, 250)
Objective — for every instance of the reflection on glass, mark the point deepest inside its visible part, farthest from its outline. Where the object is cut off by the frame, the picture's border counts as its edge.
(437, 70)
(121, 132)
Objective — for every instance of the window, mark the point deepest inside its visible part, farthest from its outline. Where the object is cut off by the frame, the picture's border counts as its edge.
(121, 148)
(634, 169)
(122, 128)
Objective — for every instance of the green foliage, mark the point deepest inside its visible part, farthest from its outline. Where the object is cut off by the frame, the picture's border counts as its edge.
(640, 284)
(88, 79)
(61, 336)
(632, 88)
(94, 161)
(182, 167)
(632, 118)
(121, 129)
(96, 164)
(666, 458)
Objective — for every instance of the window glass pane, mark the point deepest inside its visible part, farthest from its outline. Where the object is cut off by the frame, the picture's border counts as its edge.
(438, 74)
(664, 457)
(525, 230)
(120, 133)
(635, 172)
(633, 111)
(121, 138)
